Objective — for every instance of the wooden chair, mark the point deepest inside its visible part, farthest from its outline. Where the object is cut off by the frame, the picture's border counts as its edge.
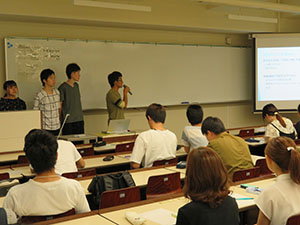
(126, 147)
(120, 197)
(85, 150)
(297, 141)
(35, 219)
(262, 164)
(246, 132)
(4, 176)
(22, 159)
(165, 162)
(294, 220)
(81, 173)
(246, 174)
(163, 184)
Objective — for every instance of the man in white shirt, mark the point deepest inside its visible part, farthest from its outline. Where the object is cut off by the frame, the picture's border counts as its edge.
(192, 136)
(155, 144)
(68, 158)
(48, 193)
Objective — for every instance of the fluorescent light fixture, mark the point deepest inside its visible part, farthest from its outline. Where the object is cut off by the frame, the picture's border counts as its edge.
(253, 18)
(111, 5)
(278, 7)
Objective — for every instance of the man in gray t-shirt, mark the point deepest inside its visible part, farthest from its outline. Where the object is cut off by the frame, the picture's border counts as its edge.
(71, 102)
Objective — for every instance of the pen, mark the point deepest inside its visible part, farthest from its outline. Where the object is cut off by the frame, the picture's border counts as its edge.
(243, 198)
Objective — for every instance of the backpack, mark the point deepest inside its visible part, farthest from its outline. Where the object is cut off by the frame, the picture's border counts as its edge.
(109, 182)
(282, 134)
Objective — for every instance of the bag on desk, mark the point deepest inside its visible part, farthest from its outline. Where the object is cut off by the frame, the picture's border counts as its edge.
(109, 182)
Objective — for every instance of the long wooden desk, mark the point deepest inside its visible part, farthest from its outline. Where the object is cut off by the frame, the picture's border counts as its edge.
(117, 214)
(110, 138)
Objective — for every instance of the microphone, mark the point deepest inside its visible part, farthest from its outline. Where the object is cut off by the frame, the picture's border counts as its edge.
(128, 91)
(62, 126)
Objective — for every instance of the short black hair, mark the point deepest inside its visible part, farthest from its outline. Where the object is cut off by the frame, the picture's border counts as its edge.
(269, 109)
(45, 74)
(156, 112)
(9, 83)
(41, 150)
(112, 77)
(194, 114)
(212, 124)
(72, 67)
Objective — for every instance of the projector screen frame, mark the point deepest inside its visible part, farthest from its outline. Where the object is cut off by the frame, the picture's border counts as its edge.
(258, 109)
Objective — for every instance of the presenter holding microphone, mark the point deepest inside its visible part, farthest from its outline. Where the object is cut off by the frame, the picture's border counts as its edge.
(115, 104)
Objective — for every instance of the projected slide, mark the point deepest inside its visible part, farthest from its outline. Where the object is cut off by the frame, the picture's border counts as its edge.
(278, 74)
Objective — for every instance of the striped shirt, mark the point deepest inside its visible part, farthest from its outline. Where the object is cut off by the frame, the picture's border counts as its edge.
(49, 104)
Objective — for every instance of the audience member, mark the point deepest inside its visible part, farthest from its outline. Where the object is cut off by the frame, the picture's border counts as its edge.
(192, 136)
(48, 193)
(155, 144)
(281, 200)
(68, 158)
(278, 125)
(233, 150)
(207, 185)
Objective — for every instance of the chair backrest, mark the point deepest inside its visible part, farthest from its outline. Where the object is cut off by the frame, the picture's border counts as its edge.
(35, 219)
(120, 197)
(125, 147)
(163, 184)
(4, 176)
(165, 162)
(294, 220)
(85, 150)
(297, 141)
(246, 174)
(81, 173)
(22, 159)
(246, 132)
(262, 164)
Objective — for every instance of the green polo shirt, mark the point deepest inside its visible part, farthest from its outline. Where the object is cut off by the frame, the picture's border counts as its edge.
(233, 151)
(113, 101)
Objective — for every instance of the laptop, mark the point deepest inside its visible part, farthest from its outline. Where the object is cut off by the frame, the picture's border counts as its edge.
(118, 126)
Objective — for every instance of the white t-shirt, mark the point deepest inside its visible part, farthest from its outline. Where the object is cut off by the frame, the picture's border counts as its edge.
(192, 137)
(280, 201)
(67, 156)
(50, 198)
(273, 132)
(153, 145)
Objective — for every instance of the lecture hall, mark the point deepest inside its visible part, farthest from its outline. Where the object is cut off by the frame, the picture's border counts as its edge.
(231, 63)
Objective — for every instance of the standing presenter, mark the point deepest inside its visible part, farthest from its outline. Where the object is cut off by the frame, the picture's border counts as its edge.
(115, 104)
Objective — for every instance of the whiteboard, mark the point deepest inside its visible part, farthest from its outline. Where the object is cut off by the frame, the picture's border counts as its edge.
(164, 73)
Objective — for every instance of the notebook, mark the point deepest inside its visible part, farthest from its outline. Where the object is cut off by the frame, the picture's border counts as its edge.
(118, 126)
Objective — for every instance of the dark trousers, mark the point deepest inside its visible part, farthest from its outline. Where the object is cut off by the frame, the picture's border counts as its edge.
(73, 128)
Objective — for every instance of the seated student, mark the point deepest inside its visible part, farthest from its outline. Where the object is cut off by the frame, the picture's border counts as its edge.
(48, 101)
(155, 144)
(68, 158)
(278, 125)
(207, 185)
(48, 193)
(10, 101)
(192, 136)
(281, 200)
(297, 126)
(7, 216)
(233, 150)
